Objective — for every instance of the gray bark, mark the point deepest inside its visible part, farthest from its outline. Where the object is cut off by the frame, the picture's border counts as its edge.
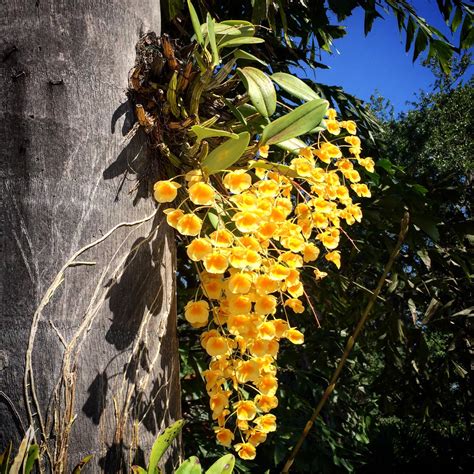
(104, 376)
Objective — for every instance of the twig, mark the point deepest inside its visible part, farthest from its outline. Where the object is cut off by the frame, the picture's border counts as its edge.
(362, 287)
(60, 336)
(349, 345)
(312, 309)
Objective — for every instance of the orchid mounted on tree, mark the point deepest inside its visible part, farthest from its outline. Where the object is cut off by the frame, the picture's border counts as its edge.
(256, 203)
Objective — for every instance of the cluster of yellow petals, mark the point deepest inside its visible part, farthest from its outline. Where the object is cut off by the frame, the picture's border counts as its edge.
(268, 224)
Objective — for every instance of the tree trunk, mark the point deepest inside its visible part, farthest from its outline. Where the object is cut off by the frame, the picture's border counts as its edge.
(88, 355)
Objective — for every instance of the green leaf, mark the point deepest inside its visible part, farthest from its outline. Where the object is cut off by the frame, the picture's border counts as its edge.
(456, 19)
(196, 23)
(293, 145)
(443, 53)
(237, 113)
(190, 466)
(22, 451)
(419, 189)
(5, 459)
(298, 122)
(138, 470)
(213, 219)
(387, 165)
(294, 86)
(318, 129)
(283, 169)
(239, 54)
(460, 370)
(425, 257)
(247, 110)
(162, 443)
(33, 455)
(255, 121)
(234, 42)
(224, 465)
(212, 39)
(174, 8)
(245, 27)
(412, 308)
(427, 225)
(420, 43)
(260, 89)
(225, 155)
(410, 33)
(223, 29)
(467, 33)
(84, 461)
(220, 30)
(205, 132)
(370, 15)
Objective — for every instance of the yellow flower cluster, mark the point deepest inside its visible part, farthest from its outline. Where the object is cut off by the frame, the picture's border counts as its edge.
(268, 225)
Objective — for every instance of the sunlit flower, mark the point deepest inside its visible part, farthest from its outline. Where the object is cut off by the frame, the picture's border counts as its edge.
(212, 288)
(266, 402)
(319, 275)
(361, 190)
(246, 410)
(268, 229)
(173, 216)
(302, 166)
(267, 331)
(240, 283)
(218, 402)
(267, 188)
(224, 436)
(329, 238)
(263, 151)
(198, 249)
(310, 252)
(278, 272)
(237, 181)
(246, 450)
(215, 262)
(247, 371)
(368, 164)
(333, 126)
(334, 257)
(201, 194)
(268, 384)
(216, 346)
(246, 221)
(280, 327)
(197, 313)
(265, 304)
(266, 423)
(294, 336)
(295, 304)
(239, 304)
(189, 224)
(265, 285)
(165, 191)
(221, 238)
(193, 176)
(331, 114)
(257, 437)
(350, 126)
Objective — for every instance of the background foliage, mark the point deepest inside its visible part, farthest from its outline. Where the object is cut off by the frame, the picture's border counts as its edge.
(402, 404)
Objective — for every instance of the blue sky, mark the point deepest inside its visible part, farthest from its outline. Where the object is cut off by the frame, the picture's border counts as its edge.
(363, 64)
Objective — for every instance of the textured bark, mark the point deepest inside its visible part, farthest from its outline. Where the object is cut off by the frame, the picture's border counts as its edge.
(104, 368)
